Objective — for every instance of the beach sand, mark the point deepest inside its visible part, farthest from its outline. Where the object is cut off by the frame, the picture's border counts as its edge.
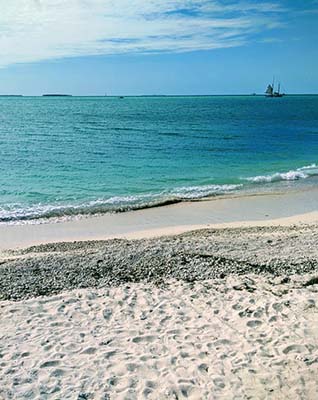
(229, 312)
(206, 340)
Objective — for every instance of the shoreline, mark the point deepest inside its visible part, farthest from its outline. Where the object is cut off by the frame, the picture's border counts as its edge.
(265, 209)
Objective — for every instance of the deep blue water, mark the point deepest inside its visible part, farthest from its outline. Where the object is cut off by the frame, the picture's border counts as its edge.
(78, 155)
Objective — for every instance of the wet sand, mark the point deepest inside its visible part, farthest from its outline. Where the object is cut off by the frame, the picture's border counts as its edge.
(266, 209)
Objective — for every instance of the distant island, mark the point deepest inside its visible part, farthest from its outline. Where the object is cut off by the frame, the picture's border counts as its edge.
(11, 95)
(56, 95)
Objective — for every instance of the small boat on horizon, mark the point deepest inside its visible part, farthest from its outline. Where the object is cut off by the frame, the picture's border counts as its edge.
(270, 91)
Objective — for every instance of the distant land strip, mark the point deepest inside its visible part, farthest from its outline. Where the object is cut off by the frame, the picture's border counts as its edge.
(56, 95)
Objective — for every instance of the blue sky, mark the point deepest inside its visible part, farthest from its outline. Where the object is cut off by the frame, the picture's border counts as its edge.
(93, 47)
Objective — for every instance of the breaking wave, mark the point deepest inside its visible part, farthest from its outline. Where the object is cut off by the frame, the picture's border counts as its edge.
(39, 213)
(293, 175)
(16, 213)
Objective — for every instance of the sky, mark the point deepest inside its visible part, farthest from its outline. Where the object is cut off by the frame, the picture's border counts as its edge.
(135, 47)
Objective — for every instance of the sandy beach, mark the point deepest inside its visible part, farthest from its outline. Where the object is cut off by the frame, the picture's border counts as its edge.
(227, 311)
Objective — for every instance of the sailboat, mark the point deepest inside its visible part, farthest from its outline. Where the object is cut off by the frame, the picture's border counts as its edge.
(270, 91)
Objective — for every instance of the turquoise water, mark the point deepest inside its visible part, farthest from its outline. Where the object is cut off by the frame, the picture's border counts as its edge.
(82, 155)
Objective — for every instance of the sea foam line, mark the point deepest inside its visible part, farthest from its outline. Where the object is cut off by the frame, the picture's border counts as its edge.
(292, 175)
(38, 213)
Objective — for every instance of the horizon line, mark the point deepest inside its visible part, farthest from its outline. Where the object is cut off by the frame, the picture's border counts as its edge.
(153, 95)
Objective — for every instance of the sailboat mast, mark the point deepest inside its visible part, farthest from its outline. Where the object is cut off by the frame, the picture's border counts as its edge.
(273, 83)
(278, 87)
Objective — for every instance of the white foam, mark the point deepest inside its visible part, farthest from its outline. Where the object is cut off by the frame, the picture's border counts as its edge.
(196, 192)
(39, 213)
(293, 175)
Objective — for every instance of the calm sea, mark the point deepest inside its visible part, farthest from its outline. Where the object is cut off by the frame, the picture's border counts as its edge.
(63, 157)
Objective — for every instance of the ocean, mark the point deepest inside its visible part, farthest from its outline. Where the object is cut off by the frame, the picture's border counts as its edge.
(68, 157)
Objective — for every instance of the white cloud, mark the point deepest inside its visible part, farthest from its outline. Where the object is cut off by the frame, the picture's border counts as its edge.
(35, 30)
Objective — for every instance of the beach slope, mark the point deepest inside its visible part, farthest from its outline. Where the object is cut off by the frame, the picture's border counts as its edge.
(211, 314)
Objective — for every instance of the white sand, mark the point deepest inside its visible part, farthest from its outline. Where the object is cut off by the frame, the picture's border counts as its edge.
(209, 341)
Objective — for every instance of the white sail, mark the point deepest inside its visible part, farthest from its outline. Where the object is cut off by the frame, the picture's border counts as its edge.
(269, 89)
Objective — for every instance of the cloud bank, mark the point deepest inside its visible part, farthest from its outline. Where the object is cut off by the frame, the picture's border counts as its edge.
(37, 30)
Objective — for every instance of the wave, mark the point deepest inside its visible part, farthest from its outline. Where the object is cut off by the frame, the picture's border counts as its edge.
(17, 213)
(293, 175)
(40, 213)
(197, 192)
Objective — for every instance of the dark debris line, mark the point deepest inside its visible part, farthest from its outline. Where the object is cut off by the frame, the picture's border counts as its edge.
(51, 269)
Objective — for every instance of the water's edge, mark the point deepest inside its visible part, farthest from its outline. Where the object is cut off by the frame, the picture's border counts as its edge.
(279, 183)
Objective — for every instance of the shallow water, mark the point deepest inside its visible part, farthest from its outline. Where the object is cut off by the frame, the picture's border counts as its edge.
(82, 155)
